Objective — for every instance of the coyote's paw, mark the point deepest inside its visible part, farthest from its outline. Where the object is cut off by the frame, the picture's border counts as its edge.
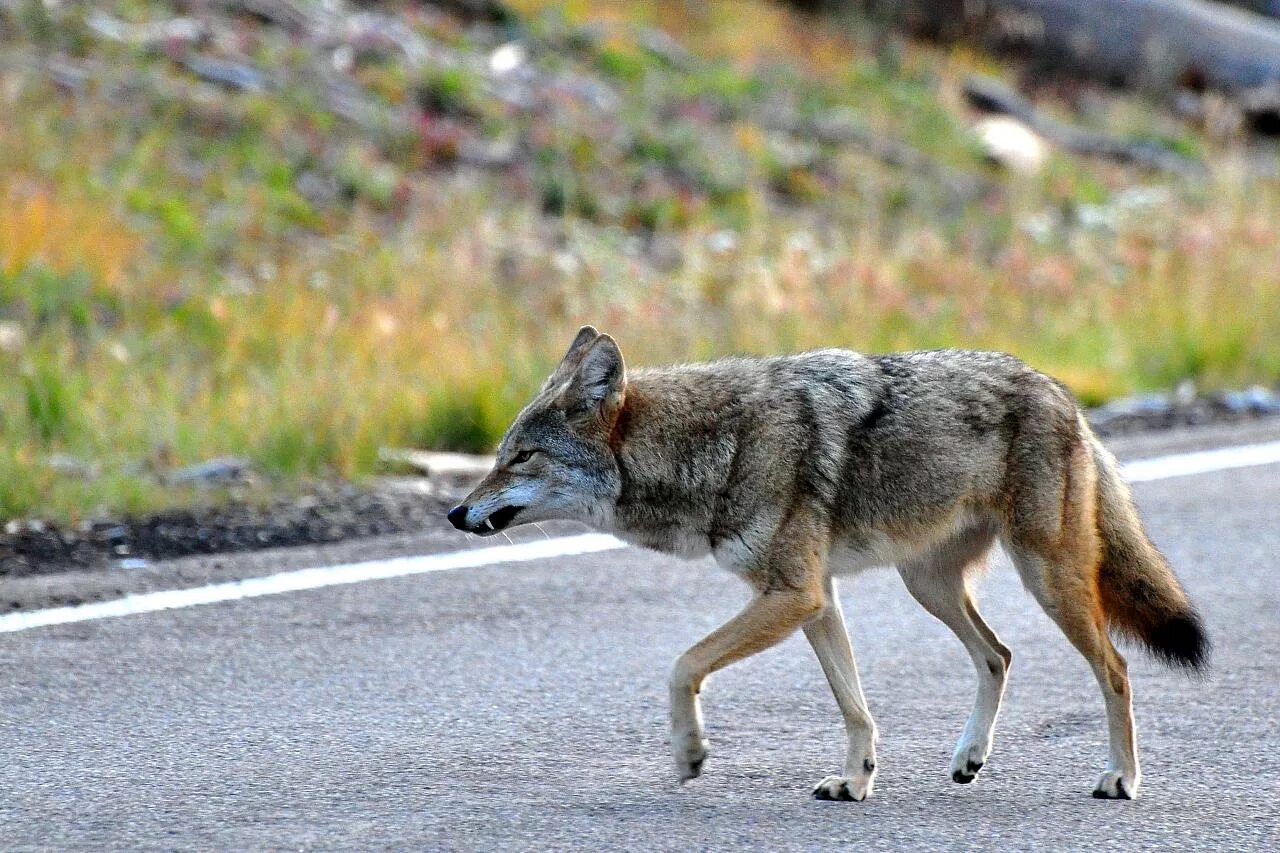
(844, 788)
(968, 761)
(689, 752)
(1114, 785)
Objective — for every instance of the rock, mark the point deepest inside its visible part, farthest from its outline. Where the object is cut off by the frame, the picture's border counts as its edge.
(1137, 410)
(68, 77)
(156, 33)
(320, 189)
(595, 93)
(1254, 401)
(237, 76)
(13, 338)
(722, 242)
(489, 154)
(664, 46)
(1185, 394)
(221, 471)
(73, 466)
(1011, 144)
(507, 58)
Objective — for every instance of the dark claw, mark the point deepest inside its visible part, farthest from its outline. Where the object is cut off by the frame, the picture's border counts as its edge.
(842, 794)
(1121, 793)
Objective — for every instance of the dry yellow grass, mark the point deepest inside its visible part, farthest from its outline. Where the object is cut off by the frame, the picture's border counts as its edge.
(62, 233)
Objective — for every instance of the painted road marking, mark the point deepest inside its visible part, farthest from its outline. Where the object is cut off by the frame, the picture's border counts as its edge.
(1138, 471)
(397, 567)
(1201, 462)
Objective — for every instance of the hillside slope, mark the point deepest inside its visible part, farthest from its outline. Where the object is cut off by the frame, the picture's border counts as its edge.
(298, 232)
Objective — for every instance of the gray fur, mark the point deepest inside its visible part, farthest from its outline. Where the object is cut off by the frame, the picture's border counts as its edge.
(793, 469)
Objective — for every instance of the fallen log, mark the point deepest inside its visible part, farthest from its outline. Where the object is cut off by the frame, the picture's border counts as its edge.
(235, 76)
(990, 95)
(1160, 44)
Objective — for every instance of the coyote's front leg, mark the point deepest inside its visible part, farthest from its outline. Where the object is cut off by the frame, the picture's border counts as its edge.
(790, 584)
(830, 640)
(770, 618)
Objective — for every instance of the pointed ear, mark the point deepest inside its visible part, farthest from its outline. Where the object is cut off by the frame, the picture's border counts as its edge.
(572, 357)
(600, 381)
(585, 335)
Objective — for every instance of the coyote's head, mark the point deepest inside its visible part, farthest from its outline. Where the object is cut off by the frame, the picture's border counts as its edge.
(555, 460)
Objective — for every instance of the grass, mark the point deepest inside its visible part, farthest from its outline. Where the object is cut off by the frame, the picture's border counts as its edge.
(171, 290)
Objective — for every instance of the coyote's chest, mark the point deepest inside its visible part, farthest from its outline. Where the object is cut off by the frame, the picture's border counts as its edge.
(673, 540)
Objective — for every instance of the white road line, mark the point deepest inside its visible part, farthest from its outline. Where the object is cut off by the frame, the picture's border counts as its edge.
(1201, 462)
(149, 602)
(1138, 471)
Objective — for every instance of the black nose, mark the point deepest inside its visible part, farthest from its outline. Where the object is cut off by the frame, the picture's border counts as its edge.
(458, 517)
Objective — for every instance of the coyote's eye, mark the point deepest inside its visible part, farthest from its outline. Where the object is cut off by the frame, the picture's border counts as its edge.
(522, 456)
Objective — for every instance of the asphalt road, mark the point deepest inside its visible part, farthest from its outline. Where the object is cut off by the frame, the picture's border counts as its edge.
(523, 706)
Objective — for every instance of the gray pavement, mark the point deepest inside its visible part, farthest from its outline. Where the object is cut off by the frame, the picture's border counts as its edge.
(523, 707)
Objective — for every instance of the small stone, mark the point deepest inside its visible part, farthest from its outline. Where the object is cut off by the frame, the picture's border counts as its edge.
(507, 58)
(12, 337)
(664, 46)
(227, 469)
(723, 241)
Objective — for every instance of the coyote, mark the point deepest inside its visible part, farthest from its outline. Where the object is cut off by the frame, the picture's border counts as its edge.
(796, 469)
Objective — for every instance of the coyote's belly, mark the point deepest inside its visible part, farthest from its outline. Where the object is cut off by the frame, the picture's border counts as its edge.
(877, 549)
(861, 550)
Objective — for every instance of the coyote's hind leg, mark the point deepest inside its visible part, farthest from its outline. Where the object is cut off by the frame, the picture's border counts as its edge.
(1052, 535)
(1072, 604)
(937, 580)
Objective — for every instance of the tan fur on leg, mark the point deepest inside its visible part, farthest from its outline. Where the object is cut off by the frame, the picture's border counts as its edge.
(830, 640)
(937, 580)
(797, 553)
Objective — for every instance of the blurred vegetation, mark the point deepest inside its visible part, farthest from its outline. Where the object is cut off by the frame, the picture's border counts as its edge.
(190, 269)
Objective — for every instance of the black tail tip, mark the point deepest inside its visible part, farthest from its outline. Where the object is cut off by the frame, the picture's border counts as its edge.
(1181, 641)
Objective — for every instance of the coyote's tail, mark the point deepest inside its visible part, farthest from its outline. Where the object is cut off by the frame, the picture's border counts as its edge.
(1141, 598)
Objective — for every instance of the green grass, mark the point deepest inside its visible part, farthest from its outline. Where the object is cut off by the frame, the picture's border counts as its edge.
(173, 286)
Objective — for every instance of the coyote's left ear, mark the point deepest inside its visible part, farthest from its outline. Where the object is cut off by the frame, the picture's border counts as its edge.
(599, 383)
(572, 357)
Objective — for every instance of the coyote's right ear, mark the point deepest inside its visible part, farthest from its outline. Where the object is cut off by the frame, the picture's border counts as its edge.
(572, 357)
